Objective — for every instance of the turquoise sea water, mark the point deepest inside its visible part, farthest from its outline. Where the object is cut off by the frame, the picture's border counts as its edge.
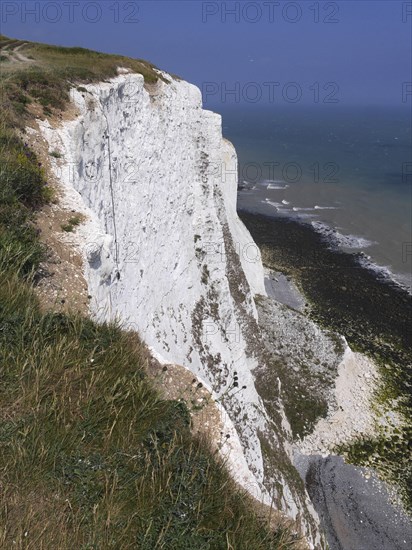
(345, 169)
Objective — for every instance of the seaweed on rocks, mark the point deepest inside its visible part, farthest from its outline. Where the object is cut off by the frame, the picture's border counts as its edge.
(372, 312)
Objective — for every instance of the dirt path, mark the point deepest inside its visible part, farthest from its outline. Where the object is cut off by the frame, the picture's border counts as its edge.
(21, 57)
(12, 52)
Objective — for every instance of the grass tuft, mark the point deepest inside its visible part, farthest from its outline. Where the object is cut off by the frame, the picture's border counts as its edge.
(73, 222)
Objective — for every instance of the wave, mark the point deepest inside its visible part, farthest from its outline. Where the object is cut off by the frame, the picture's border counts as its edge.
(316, 207)
(354, 242)
(281, 208)
(274, 184)
(277, 205)
(384, 272)
(337, 239)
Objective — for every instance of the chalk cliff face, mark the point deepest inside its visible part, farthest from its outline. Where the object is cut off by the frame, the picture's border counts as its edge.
(167, 255)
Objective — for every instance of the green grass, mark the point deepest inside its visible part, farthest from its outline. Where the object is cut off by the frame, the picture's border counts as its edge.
(54, 70)
(91, 456)
(73, 222)
(23, 189)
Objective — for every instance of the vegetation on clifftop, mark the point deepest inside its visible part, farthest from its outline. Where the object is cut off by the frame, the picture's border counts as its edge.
(45, 74)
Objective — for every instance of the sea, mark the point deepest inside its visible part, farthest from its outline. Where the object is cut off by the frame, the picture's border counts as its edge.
(344, 171)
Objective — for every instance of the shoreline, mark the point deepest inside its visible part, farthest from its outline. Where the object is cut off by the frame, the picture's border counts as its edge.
(334, 239)
(298, 251)
(337, 240)
(373, 314)
(351, 411)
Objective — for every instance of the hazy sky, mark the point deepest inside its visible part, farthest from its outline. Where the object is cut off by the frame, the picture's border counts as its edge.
(269, 51)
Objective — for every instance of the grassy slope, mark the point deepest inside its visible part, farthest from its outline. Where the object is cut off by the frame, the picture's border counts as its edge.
(91, 456)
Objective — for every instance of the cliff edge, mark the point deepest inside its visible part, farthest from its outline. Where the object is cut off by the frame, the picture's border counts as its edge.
(166, 255)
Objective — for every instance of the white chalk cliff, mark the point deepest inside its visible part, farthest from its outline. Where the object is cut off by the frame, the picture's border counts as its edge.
(167, 255)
